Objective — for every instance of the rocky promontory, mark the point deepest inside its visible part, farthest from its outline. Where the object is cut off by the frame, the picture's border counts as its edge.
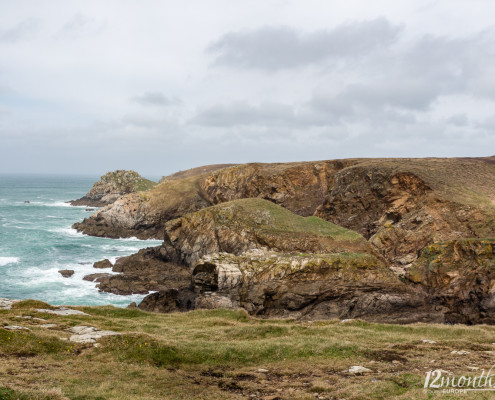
(111, 186)
(380, 239)
(254, 254)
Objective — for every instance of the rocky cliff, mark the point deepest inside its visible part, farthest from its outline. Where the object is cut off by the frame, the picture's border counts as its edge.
(111, 186)
(254, 254)
(300, 187)
(369, 251)
(459, 276)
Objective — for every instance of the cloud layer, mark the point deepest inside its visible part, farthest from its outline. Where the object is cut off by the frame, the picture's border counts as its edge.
(90, 87)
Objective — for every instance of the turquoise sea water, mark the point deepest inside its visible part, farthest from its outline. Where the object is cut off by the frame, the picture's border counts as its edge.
(36, 240)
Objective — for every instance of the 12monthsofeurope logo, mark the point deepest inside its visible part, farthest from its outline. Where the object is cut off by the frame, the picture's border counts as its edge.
(440, 380)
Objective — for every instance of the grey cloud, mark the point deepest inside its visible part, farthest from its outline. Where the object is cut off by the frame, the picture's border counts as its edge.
(458, 120)
(241, 113)
(80, 25)
(273, 48)
(156, 99)
(23, 30)
(4, 111)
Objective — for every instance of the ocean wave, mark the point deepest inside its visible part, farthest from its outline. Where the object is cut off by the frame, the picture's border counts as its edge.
(8, 260)
(52, 204)
(67, 231)
(109, 247)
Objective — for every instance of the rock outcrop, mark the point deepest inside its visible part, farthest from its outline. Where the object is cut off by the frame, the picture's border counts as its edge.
(141, 273)
(246, 224)
(403, 205)
(300, 187)
(372, 231)
(113, 185)
(143, 215)
(309, 286)
(66, 273)
(103, 264)
(459, 275)
(254, 254)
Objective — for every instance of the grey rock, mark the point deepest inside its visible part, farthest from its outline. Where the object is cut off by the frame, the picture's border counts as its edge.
(61, 311)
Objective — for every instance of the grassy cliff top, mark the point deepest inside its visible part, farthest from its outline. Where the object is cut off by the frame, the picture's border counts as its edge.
(220, 354)
(467, 181)
(264, 215)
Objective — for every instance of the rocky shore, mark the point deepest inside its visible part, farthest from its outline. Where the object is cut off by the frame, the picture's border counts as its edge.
(390, 240)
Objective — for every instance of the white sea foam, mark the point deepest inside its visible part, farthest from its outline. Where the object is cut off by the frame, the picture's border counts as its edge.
(52, 204)
(35, 276)
(8, 260)
(67, 232)
(108, 247)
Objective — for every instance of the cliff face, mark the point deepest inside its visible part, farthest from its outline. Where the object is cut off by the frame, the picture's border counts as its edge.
(459, 275)
(254, 254)
(111, 186)
(308, 286)
(212, 222)
(300, 187)
(144, 215)
(403, 205)
(245, 224)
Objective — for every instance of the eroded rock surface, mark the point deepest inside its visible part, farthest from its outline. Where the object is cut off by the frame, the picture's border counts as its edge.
(111, 186)
(148, 270)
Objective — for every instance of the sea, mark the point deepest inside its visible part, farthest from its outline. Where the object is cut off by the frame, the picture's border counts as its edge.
(36, 241)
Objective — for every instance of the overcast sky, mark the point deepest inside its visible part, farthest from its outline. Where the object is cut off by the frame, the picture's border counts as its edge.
(159, 86)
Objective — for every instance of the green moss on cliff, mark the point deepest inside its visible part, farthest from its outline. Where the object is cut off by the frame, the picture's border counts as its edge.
(454, 256)
(265, 215)
(129, 181)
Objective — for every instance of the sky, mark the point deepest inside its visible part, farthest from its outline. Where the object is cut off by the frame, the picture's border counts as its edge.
(159, 86)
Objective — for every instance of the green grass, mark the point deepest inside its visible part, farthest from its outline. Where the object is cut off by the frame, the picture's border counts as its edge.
(216, 354)
(265, 215)
(144, 184)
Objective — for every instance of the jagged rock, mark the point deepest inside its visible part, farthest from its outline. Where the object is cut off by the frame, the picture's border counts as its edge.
(402, 205)
(246, 224)
(314, 269)
(459, 276)
(309, 286)
(95, 277)
(66, 273)
(141, 273)
(171, 300)
(103, 264)
(111, 186)
(300, 187)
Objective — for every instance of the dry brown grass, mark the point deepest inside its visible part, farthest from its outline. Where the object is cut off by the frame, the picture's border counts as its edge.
(217, 355)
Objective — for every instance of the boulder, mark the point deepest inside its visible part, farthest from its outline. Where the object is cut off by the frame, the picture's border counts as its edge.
(170, 300)
(103, 264)
(66, 273)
